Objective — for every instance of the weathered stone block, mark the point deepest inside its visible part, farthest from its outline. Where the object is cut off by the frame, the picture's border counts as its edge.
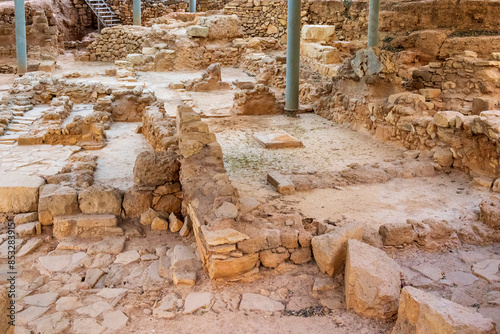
(56, 200)
(372, 281)
(19, 193)
(99, 199)
(330, 249)
(422, 312)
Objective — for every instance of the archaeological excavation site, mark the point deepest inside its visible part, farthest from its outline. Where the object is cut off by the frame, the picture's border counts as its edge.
(250, 166)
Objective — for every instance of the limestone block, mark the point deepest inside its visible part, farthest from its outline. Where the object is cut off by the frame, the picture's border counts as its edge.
(231, 267)
(136, 202)
(255, 302)
(197, 31)
(372, 281)
(156, 168)
(397, 234)
(318, 33)
(55, 201)
(47, 66)
(19, 193)
(422, 312)
(446, 119)
(321, 53)
(99, 199)
(330, 249)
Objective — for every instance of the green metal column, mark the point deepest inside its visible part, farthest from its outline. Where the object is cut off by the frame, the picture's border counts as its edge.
(22, 60)
(293, 56)
(137, 12)
(192, 6)
(373, 23)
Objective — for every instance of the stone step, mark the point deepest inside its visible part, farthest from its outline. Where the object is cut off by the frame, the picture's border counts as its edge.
(7, 142)
(86, 226)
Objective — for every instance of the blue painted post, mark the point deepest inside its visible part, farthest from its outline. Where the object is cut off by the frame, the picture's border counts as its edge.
(373, 23)
(192, 6)
(293, 56)
(137, 12)
(22, 59)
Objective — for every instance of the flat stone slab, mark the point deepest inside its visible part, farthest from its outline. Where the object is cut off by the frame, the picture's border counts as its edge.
(277, 139)
(197, 300)
(255, 302)
(42, 300)
(19, 193)
(282, 183)
(61, 263)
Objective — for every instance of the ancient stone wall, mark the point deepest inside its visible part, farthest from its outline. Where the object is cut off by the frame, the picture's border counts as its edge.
(351, 17)
(156, 8)
(116, 43)
(42, 33)
(465, 139)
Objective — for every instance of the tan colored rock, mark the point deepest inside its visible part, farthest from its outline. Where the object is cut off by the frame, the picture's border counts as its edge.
(19, 193)
(318, 33)
(372, 281)
(273, 259)
(397, 234)
(5, 304)
(55, 201)
(224, 236)
(136, 202)
(156, 168)
(446, 119)
(301, 255)
(330, 249)
(148, 216)
(159, 224)
(232, 267)
(174, 223)
(99, 199)
(421, 312)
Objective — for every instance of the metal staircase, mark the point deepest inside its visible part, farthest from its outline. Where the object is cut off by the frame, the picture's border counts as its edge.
(105, 15)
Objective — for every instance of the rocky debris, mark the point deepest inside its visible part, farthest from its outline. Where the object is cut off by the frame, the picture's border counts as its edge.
(61, 263)
(168, 306)
(421, 311)
(282, 183)
(55, 201)
(95, 309)
(42, 300)
(255, 302)
(257, 100)
(114, 320)
(372, 281)
(211, 79)
(29, 247)
(330, 249)
(127, 257)
(30, 314)
(196, 300)
(113, 246)
(68, 303)
(150, 215)
(19, 193)
(78, 172)
(271, 259)
(156, 168)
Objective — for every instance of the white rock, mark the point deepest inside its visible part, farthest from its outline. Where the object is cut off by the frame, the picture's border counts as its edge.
(197, 300)
(127, 257)
(255, 302)
(42, 300)
(68, 303)
(114, 319)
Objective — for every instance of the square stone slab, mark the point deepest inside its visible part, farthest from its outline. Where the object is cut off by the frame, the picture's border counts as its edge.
(277, 139)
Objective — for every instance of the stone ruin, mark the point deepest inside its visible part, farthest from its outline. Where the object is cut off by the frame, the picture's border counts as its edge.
(151, 178)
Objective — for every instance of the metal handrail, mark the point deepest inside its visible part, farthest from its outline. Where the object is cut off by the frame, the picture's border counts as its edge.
(101, 11)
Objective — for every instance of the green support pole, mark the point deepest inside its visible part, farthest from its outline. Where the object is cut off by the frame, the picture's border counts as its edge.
(137, 12)
(192, 6)
(22, 59)
(373, 23)
(293, 56)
